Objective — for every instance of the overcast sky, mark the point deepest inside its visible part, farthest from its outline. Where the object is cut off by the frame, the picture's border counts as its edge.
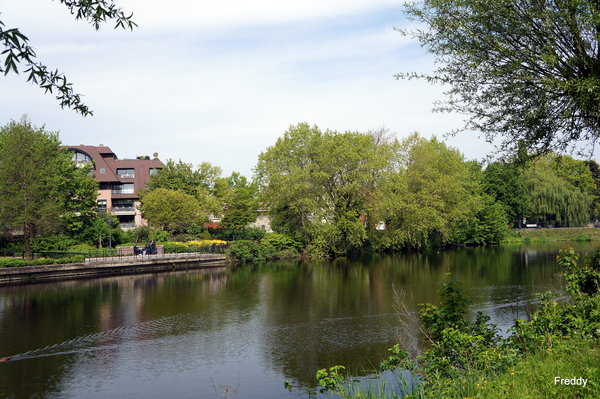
(220, 81)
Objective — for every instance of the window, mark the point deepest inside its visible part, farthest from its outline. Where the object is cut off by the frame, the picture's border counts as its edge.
(102, 170)
(154, 171)
(102, 206)
(126, 188)
(123, 205)
(103, 186)
(80, 158)
(126, 173)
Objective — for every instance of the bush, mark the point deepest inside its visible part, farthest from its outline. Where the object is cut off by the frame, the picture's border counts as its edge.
(57, 242)
(281, 242)
(14, 262)
(249, 251)
(81, 248)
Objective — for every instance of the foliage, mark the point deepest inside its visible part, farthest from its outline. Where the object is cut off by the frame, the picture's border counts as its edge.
(488, 225)
(13, 262)
(554, 198)
(193, 246)
(182, 177)
(319, 184)
(17, 50)
(101, 232)
(331, 381)
(426, 196)
(519, 71)
(138, 234)
(171, 210)
(250, 233)
(56, 242)
(595, 171)
(41, 189)
(450, 314)
(241, 204)
(470, 359)
(281, 242)
(574, 171)
(244, 251)
(505, 183)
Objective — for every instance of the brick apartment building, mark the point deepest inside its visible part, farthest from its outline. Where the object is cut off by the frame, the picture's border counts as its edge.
(120, 180)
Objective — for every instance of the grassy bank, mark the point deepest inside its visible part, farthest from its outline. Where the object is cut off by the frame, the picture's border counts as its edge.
(557, 234)
(555, 353)
(534, 376)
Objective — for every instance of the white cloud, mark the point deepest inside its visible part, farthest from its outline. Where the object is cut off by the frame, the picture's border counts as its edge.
(220, 81)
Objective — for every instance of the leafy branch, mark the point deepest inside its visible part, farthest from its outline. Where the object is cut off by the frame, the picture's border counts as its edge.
(17, 50)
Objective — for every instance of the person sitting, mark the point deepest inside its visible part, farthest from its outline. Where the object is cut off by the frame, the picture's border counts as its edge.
(136, 250)
(153, 247)
(147, 249)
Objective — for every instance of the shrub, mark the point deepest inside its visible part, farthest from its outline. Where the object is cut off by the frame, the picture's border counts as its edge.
(281, 242)
(249, 251)
(14, 262)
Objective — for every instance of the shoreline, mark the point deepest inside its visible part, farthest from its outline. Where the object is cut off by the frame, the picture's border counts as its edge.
(109, 267)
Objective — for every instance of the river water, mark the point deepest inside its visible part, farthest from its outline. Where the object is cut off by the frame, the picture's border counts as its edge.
(250, 327)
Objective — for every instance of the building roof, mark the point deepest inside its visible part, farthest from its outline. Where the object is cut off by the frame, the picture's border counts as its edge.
(106, 165)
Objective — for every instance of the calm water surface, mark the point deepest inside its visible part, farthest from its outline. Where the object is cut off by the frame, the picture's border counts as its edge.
(182, 335)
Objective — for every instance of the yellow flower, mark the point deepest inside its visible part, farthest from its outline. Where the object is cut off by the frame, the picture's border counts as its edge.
(512, 373)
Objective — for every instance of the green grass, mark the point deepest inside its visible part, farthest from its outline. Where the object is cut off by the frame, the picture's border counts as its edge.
(528, 236)
(531, 377)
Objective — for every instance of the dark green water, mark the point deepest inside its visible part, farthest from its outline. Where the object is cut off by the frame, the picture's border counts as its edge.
(177, 334)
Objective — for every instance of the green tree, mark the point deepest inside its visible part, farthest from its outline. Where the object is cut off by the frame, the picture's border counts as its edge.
(553, 198)
(504, 182)
(17, 50)
(41, 189)
(319, 185)
(198, 183)
(241, 203)
(428, 194)
(518, 70)
(595, 170)
(575, 172)
(171, 210)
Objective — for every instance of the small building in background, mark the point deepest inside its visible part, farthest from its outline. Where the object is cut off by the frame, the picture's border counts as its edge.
(120, 181)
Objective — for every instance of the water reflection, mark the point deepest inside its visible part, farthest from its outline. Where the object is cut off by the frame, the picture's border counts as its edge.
(168, 334)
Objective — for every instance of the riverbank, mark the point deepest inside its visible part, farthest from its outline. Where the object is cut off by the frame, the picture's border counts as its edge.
(566, 234)
(123, 265)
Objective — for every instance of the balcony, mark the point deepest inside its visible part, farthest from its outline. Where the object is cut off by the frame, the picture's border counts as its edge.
(123, 210)
(126, 176)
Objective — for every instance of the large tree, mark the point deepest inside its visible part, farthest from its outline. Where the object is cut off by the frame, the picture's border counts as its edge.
(17, 50)
(198, 183)
(553, 198)
(41, 189)
(504, 182)
(518, 70)
(171, 210)
(428, 195)
(241, 202)
(320, 184)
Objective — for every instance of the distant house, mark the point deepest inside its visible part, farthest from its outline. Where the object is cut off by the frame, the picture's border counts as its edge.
(120, 181)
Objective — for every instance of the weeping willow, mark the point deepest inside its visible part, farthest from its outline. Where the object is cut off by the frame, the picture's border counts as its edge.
(553, 198)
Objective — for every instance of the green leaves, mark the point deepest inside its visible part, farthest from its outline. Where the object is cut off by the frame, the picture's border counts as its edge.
(171, 210)
(41, 189)
(518, 71)
(319, 184)
(17, 50)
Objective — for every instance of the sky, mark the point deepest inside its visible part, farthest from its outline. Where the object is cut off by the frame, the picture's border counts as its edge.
(220, 81)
